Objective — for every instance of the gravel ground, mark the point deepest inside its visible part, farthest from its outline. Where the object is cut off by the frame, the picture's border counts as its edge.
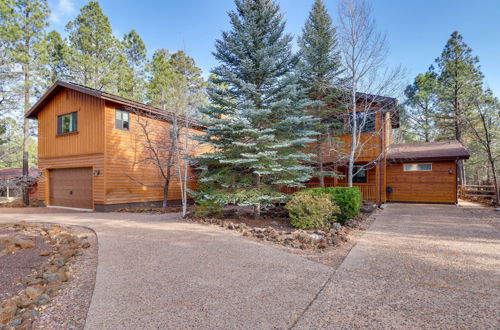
(416, 267)
(20, 264)
(69, 309)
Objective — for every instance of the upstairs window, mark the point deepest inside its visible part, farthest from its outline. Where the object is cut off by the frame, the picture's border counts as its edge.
(365, 121)
(418, 167)
(67, 123)
(360, 174)
(122, 120)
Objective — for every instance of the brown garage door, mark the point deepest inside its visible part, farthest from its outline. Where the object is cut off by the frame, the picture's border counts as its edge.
(71, 187)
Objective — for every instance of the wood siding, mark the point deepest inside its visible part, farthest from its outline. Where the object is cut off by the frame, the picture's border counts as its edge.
(89, 138)
(438, 185)
(96, 162)
(130, 179)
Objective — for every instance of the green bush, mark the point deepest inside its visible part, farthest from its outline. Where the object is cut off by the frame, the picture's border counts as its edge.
(208, 208)
(310, 210)
(349, 199)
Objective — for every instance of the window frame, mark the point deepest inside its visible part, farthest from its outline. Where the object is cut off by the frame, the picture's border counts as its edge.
(417, 167)
(73, 123)
(359, 119)
(356, 170)
(120, 120)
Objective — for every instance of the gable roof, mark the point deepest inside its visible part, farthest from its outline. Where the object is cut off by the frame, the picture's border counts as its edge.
(442, 150)
(60, 85)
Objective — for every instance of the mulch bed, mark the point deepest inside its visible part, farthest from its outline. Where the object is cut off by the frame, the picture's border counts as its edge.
(47, 275)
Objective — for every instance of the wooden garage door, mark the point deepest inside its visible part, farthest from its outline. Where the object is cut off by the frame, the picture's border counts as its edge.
(435, 186)
(71, 187)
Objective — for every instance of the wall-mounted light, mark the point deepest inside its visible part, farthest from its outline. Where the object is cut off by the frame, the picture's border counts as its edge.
(96, 172)
(450, 170)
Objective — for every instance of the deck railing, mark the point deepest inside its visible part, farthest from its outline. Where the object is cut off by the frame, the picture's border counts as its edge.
(369, 191)
(481, 191)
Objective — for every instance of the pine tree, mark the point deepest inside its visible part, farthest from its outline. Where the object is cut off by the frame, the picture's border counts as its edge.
(256, 123)
(460, 80)
(23, 25)
(95, 52)
(57, 57)
(319, 68)
(132, 77)
(161, 80)
(421, 107)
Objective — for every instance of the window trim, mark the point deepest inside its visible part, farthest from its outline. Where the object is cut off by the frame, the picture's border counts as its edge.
(417, 167)
(121, 112)
(357, 171)
(74, 119)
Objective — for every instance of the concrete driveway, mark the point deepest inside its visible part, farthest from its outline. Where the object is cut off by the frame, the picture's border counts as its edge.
(418, 266)
(156, 272)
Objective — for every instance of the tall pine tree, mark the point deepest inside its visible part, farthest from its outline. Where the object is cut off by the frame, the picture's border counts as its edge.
(23, 24)
(257, 120)
(131, 80)
(319, 68)
(460, 80)
(95, 52)
(421, 107)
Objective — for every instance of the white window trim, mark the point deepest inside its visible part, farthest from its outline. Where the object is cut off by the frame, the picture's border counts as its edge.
(417, 170)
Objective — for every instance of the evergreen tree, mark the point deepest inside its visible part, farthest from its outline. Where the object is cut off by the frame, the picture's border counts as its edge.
(161, 80)
(23, 27)
(57, 57)
(421, 107)
(132, 76)
(256, 123)
(460, 80)
(319, 68)
(95, 52)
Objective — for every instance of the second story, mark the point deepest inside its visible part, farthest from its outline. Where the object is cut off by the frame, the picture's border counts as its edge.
(374, 119)
(74, 120)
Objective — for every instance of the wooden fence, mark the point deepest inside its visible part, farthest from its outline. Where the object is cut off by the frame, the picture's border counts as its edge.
(480, 191)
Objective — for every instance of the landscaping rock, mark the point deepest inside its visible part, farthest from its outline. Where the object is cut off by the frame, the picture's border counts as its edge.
(8, 310)
(33, 293)
(25, 243)
(367, 208)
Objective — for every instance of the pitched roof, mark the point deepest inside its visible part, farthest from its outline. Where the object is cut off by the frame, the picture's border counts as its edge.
(59, 85)
(442, 150)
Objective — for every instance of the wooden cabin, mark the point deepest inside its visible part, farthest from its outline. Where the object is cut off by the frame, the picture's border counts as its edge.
(419, 172)
(91, 153)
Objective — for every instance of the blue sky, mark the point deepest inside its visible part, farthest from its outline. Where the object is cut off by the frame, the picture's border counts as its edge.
(417, 30)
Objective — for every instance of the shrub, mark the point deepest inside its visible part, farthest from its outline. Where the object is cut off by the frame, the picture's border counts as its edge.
(208, 208)
(349, 200)
(310, 210)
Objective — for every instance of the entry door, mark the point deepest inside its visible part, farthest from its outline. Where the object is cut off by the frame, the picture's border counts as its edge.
(71, 187)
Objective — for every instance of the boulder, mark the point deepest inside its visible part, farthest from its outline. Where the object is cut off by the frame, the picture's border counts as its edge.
(33, 293)
(8, 310)
(25, 243)
(367, 208)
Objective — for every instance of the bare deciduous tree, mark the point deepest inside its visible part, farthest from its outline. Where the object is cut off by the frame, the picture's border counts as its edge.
(364, 52)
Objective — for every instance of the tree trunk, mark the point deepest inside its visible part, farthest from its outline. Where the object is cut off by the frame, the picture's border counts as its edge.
(26, 132)
(256, 208)
(165, 196)
(354, 136)
(495, 179)
(320, 162)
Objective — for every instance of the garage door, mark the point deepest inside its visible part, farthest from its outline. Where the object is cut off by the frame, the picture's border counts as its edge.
(71, 187)
(432, 182)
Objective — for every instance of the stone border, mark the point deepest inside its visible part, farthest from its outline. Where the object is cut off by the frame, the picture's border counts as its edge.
(299, 239)
(47, 280)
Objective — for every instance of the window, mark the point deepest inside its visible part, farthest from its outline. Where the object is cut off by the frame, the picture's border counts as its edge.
(365, 121)
(67, 123)
(122, 120)
(360, 174)
(417, 167)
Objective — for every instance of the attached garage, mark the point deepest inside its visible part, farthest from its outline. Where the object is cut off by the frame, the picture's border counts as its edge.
(71, 187)
(423, 172)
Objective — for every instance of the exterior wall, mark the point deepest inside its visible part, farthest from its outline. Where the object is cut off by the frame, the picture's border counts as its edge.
(95, 161)
(371, 141)
(437, 186)
(89, 139)
(128, 178)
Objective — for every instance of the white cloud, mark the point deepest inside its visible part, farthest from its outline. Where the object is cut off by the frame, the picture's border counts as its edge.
(63, 9)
